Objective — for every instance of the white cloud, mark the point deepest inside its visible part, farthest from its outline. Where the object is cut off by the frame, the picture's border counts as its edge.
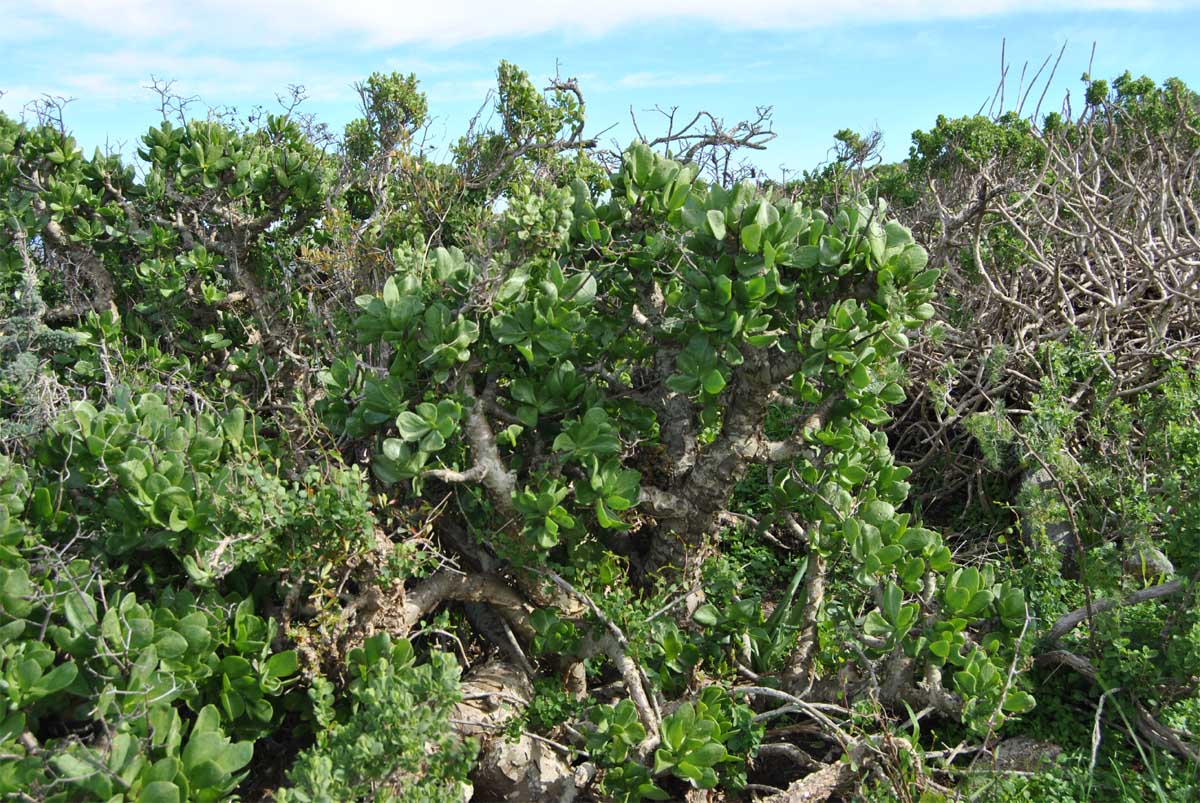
(108, 79)
(237, 49)
(380, 23)
(667, 80)
(14, 100)
(213, 75)
(467, 89)
(424, 66)
(21, 27)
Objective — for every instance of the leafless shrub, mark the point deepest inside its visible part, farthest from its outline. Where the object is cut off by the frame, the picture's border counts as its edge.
(1089, 233)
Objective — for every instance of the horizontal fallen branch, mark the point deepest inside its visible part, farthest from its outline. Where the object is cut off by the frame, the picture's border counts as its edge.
(450, 476)
(1157, 733)
(1068, 622)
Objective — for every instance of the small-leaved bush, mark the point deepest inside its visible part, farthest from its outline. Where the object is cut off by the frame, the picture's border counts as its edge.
(391, 739)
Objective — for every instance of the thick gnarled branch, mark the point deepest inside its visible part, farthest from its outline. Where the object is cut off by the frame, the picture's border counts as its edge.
(496, 476)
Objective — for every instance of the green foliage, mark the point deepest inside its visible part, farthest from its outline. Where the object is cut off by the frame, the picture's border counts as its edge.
(281, 381)
(81, 652)
(135, 476)
(393, 109)
(392, 741)
(553, 636)
(192, 273)
(552, 706)
(617, 732)
(705, 742)
(1119, 771)
(170, 265)
(951, 143)
(737, 272)
(84, 650)
(771, 638)
(1134, 468)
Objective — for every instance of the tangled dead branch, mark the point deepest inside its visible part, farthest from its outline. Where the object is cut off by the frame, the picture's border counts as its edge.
(1084, 231)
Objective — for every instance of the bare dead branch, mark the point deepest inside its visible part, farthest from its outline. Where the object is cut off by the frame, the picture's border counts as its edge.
(1068, 622)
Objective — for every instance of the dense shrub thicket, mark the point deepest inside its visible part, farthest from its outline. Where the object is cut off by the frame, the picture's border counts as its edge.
(337, 469)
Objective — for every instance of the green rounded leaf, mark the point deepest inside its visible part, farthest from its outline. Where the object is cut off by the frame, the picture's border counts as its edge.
(714, 382)
(706, 615)
(160, 792)
(714, 221)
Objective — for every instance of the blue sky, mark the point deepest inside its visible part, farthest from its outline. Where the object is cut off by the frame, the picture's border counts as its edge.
(891, 64)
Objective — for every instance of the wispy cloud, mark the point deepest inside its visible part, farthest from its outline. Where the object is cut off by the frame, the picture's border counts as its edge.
(108, 78)
(427, 66)
(212, 75)
(382, 23)
(20, 25)
(823, 64)
(463, 89)
(650, 79)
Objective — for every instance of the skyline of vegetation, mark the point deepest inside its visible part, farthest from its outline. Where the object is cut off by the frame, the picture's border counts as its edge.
(349, 466)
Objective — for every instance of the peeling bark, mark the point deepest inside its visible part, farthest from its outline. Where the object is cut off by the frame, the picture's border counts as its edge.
(817, 786)
(495, 475)
(509, 770)
(681, 543)
(800, 663)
